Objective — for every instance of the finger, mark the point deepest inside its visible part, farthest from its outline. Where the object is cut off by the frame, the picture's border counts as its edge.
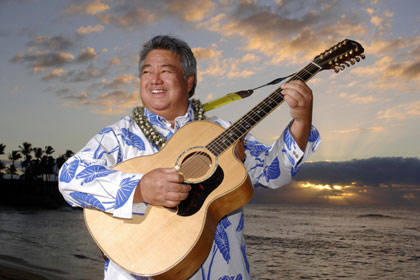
(179, 188)
(172, 175)
(297, 87)
(176, 196)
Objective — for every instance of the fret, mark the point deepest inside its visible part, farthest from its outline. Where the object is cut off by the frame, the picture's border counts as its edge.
(242, 126)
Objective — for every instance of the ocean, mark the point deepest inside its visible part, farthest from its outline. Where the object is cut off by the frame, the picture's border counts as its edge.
(283, 242)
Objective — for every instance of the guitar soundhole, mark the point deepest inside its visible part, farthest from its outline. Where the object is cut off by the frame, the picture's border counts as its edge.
(199, 193)
(195, 165)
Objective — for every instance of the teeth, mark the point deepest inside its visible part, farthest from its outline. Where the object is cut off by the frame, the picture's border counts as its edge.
(157, 90)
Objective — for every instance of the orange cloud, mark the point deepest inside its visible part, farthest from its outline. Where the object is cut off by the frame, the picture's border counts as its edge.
(205, 53)
(354, 98)
(112, 103)
(401, 112)
(191, 10)
(89, 29)
(91, 8)
(134, 17)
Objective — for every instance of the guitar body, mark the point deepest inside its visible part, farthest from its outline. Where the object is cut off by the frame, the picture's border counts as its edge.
(162, 243)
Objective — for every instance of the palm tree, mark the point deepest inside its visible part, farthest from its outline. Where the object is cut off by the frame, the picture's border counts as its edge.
(48, 162)
(12, 170)
(13, 156)
(62, 159)
(26, 150)
(2, 166)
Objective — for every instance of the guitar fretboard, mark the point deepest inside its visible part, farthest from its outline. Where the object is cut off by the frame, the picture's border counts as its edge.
(255, 115)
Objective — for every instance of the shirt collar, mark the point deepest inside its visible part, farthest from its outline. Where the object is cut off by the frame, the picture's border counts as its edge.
(163, 123)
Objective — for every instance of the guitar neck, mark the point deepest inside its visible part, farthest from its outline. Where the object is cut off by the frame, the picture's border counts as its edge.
(242, 126)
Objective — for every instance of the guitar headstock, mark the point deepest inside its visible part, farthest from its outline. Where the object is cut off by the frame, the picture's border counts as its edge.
(343, 54)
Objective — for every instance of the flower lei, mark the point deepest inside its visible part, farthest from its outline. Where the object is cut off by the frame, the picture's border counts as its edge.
(151, 133)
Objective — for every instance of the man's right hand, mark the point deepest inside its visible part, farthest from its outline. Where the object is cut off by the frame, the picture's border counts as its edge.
(162, 186)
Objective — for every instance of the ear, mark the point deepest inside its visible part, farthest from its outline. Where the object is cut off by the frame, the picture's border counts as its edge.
(190, 82)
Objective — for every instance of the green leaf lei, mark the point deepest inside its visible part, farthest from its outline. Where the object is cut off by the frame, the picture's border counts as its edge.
(151, 133)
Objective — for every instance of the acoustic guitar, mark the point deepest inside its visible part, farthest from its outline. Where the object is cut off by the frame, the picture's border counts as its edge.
(172, 243)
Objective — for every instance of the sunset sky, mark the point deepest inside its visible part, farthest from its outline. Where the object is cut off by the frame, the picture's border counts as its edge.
(69, 68)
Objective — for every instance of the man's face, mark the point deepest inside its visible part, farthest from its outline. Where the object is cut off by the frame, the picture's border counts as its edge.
(163, 89)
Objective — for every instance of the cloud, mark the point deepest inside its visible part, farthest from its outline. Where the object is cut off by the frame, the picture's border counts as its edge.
(40, 59)
(190, 10)
(401, 112)
(354, 98)
(206, 53)
(111, 103)
(54, 43)
(54, 74)
(129, 19)
(374, 172)
(89, 29)
(90, 8)
(374, 181)
(360, 130)
(284, 34)
(86, 54)
(82, 75)
(120, 81)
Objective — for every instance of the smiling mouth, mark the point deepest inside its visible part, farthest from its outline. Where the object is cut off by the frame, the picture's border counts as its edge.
(158, 91)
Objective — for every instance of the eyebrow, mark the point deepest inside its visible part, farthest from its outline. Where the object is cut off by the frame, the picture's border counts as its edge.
(163, 65)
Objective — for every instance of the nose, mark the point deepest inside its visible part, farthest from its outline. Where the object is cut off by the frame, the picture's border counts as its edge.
(156, 79)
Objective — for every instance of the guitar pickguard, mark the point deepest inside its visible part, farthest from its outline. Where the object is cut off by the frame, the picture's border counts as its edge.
(199, 193)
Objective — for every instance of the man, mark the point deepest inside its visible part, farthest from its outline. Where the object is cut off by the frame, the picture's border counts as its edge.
(167, 81)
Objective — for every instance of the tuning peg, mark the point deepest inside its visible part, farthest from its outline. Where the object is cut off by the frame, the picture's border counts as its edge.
(352, 61)
(347, 64)
(336, 69)
(342, 67)
(362, 56)
(357, 58)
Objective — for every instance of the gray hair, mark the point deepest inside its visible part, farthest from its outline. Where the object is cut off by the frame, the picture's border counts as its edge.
(178, 47)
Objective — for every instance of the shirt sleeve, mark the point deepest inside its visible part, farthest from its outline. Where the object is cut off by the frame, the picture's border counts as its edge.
(88, 180)
(274, 166)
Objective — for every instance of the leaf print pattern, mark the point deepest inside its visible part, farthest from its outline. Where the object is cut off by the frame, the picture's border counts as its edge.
(240, 226)
(126, 188)
(105, 130)
(243, 249)
(272, 171)
(222, 241)
(87, 200)
(314, 135)
(288, 139)
(132, 139)
(68, 171)
(255, 148)
(92, 172)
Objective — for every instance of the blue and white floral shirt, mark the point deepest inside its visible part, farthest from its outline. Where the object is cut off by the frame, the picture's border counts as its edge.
(87, 180)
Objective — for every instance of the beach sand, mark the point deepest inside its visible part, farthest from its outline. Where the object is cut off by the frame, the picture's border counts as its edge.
(8, 272)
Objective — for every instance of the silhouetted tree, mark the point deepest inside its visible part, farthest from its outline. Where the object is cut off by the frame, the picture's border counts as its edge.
(25, 150)
(2, 166)
(62, 159)
(12, 170)
(48, 162)
(13, 156)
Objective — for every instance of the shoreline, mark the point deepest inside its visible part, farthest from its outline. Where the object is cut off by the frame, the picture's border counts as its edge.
(11, 272)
